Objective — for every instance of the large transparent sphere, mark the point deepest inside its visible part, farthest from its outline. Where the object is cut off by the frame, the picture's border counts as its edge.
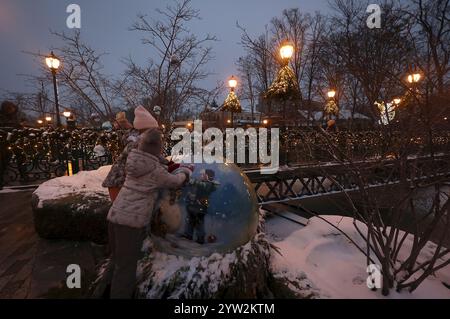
(216, 212)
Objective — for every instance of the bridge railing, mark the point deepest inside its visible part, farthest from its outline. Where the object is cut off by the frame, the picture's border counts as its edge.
(303, 181)
(35, 155)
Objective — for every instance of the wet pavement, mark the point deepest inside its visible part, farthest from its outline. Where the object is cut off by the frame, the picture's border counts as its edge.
(31, 267)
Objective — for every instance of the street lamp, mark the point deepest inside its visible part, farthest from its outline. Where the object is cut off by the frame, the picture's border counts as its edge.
(331, 94)
(397, 101)
(414, 78)
(232, 103)
(48, 120)
(286, 52)
(53, 64)
(232, 83)
(284, 85)
(40, 122)
(70, 119)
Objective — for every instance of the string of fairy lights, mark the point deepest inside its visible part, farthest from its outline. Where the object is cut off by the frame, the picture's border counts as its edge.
(30, 144)
(297, 145)
(49, 145)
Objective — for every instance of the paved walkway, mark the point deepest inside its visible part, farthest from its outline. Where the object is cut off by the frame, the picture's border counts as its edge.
(31, 267)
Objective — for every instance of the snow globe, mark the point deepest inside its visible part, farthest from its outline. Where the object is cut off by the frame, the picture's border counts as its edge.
(216, 212)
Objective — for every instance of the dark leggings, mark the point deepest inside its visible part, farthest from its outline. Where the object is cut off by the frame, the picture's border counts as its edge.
(125, 245)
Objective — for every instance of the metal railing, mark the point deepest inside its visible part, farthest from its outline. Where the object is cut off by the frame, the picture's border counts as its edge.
(300, 182)
(34, 155)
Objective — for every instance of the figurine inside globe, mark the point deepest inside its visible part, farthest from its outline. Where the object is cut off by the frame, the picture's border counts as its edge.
(215, 212)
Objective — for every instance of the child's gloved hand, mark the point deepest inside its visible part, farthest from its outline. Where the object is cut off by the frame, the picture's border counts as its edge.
(184, 170)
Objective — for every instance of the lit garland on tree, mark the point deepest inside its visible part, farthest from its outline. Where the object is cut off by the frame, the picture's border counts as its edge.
(331, 108)
(232, 103)
(387, 112)
(285, 85)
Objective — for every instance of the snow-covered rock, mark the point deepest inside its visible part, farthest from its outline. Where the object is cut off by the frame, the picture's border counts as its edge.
(85, 182)
(73, 207)
(242, 273)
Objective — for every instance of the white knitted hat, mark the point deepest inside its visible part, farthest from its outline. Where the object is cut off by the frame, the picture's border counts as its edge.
(143, 119)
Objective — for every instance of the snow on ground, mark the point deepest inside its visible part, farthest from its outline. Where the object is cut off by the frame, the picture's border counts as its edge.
(333, 264)
(83, 182)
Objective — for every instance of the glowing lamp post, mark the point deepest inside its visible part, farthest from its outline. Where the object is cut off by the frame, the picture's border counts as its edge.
(285, 77)
(286, 52)
(53, 64)
(414, 78)
(70, 119)
(232, 83)
(232, 103)
(331, 94)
